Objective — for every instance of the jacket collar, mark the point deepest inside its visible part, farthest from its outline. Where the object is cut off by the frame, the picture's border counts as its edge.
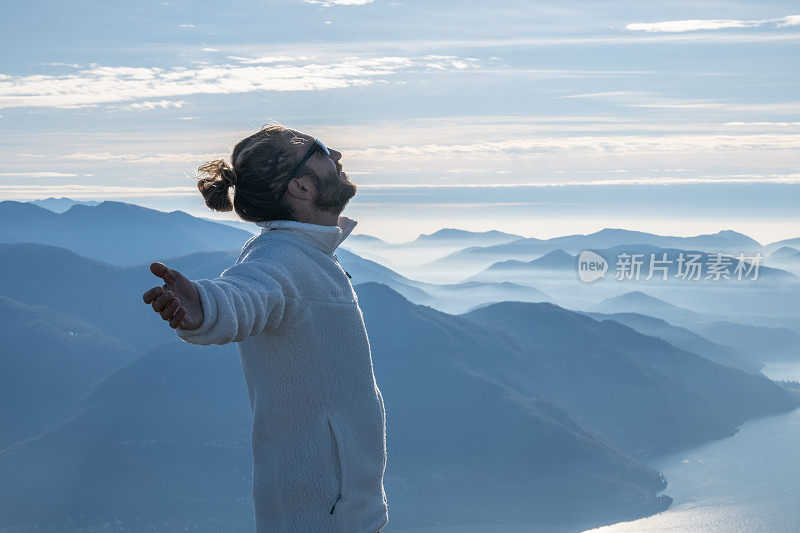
(325, 238)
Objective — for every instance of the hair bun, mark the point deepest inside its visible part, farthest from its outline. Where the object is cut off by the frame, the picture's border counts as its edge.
(219, 177)
(228, 175)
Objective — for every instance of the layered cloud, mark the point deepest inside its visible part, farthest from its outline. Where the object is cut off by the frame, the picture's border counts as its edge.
(37, 175)
(154, 104)
(509, 151)
(677, 26)
(327, 3)
(546, 147)
(649, 99)
(75, 191)
(98, 84)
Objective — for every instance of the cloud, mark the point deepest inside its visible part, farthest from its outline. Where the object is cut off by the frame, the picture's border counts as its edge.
(762, 123)
(95, 192)
(419, 46)
(692, 25)
(677, 26)
(547, 147)
(104, 84)
(488, 153)
(140, 158)
(791, 20)
(153, 104)
(270, 59)
(327, 3)
(37, 175)
(652, 180)
(647, 99)
(78, 192)
(518, 144)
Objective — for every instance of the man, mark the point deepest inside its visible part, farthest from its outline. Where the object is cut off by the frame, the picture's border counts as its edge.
(319, 423)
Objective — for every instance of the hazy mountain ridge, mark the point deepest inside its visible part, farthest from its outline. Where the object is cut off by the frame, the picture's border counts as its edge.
(793, 242)
(784, 252)
(682, 338)
(49, 361)
(163, 439)
(59, 205)
(117, 232)
(425, 247)
(462, 237)
(782, 342)
(469, 261)
(697, 398)
(558, 261)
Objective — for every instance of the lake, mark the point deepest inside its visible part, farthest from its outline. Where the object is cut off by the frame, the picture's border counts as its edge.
(748, 482)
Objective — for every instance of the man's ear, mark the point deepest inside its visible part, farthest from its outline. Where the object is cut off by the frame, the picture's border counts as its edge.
(301, 188)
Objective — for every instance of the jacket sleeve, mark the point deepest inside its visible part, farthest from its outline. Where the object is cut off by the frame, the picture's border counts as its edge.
(248, 298)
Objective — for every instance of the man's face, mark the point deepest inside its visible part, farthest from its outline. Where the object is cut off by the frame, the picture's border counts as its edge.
(333, 186)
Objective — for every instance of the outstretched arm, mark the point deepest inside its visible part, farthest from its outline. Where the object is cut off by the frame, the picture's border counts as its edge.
(246, 299)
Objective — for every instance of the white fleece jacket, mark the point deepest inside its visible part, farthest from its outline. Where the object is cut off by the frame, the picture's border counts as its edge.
(319, 423)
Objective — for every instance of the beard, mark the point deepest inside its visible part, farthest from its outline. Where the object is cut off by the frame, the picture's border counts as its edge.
(335, 191)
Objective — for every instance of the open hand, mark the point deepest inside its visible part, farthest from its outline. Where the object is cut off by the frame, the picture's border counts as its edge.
(177, 301)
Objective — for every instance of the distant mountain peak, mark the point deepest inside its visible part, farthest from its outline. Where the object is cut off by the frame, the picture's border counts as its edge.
(363, 237)
(59, 205)
(381, 291)
(727, 234)
(784, 251)
(634, 296)
(735, 236)
(557, 258)
(639, 294)
(117, 232)
(511, 305)
(787, 242)
(618, 231)
(454, 233)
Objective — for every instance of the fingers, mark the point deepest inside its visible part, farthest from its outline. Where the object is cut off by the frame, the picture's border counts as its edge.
(167, 305)
(161, 270)
(170, 309)
(177, 318)
(152, 294)
(163, 301)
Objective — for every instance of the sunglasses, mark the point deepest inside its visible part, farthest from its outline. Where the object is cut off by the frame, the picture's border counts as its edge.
(316, 146)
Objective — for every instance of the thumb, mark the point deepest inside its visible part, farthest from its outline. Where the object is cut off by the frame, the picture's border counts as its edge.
(161, 270)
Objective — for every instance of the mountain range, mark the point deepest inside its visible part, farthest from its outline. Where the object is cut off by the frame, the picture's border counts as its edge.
(116, 232)
(643, 393)
(59, 205)
(518, 408)
(175, 422)
(470, 261)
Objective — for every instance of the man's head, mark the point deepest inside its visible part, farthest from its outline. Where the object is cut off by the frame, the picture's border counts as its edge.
(272, 182)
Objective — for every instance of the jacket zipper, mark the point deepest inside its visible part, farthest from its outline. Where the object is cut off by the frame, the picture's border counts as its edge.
(335, 458)
(334, 503)
(340, 266)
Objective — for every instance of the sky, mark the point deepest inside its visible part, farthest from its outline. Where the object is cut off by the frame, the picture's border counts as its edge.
(536, 118)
